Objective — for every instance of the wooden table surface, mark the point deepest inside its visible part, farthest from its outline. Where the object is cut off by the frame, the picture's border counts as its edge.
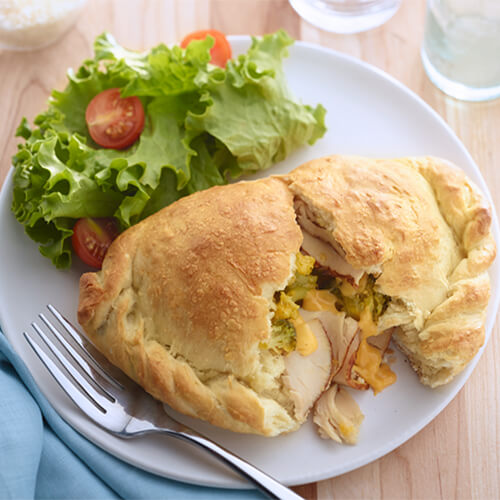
(455, 456)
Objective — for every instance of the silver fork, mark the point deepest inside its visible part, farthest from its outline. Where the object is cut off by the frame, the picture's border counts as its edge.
(117, 404)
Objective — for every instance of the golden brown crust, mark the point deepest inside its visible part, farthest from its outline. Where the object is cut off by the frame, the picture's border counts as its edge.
(454, 331)
(183, 298)
(425, 229)
(183, 301)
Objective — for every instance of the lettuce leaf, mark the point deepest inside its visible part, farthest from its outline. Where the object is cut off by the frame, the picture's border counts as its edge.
(204, 126)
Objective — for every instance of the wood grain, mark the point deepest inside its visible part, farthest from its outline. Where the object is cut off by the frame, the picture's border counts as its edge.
(457, 455)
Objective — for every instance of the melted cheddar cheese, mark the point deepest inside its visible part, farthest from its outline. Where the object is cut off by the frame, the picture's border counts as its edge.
(366, 324)
(369, 363)
(306, 340)
(320, 300)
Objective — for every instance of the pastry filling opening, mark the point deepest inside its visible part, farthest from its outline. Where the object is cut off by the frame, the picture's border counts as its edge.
(315, 288)
(325, 326)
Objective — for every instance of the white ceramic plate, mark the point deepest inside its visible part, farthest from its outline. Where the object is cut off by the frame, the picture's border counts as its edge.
(369, 114)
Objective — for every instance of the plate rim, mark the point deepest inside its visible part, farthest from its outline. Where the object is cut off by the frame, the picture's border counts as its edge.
(412, 430)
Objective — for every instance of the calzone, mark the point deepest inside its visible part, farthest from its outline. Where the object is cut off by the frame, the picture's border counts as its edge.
(256, 304)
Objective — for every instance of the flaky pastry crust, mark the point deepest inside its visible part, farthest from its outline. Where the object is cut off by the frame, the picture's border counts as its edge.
(185, 297)
(183, 301)
(423, 229)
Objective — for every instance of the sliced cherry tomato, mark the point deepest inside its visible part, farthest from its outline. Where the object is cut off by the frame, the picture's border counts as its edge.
(220, 52)
(92, 237)
(113, 121)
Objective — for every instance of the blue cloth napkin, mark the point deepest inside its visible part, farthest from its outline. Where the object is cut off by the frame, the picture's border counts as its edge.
(42, 457)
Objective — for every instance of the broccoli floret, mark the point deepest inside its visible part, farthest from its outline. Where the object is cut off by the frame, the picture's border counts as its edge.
(286, 308)
(283, 337)
(303, 281)
(366, 298)
(301, 285)
(304, 264)
(380, 304)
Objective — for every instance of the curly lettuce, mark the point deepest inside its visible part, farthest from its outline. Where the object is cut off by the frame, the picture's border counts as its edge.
(204, 126)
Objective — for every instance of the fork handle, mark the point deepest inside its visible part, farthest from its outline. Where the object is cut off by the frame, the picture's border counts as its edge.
(261, 480)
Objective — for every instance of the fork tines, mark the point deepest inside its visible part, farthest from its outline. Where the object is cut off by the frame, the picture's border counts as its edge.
(92, 381)
(121, 409)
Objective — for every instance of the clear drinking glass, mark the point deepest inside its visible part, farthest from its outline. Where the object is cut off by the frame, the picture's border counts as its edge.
(461, 47)
(346, 16)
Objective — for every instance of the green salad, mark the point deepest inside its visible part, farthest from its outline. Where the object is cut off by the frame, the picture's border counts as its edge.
(204, 126)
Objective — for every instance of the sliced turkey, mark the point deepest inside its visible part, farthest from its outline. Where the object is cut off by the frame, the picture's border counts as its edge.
(327, 257)
(306, 377)
(320, 244)
(338, 416)
(307, 222)
(343, 333)
(346, 375)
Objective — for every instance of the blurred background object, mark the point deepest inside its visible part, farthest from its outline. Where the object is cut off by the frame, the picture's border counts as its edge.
(346, 16)
(33, 24)
(461, 48)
